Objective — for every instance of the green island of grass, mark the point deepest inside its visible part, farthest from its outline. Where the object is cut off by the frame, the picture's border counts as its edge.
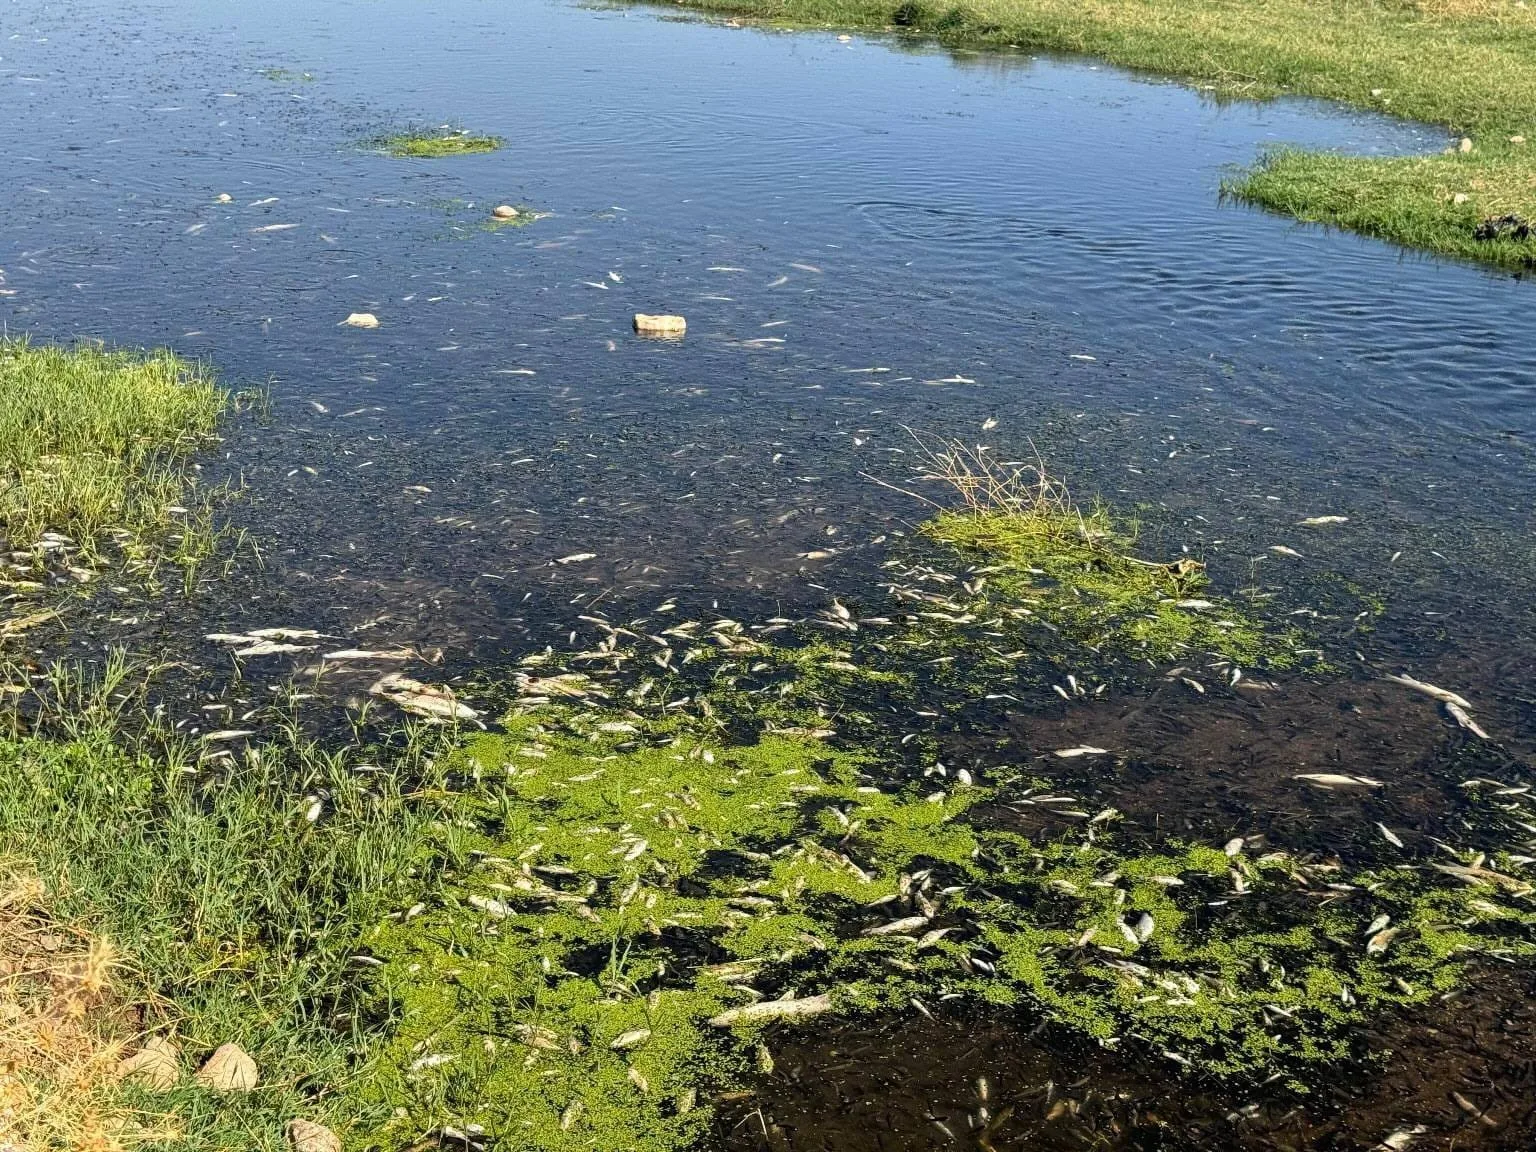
(97, 445)
(1467, 65)
(434, 144)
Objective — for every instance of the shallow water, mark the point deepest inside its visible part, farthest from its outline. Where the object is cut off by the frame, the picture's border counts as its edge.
(864, 236)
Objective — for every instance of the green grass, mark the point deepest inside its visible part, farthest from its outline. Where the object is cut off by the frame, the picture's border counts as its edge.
(97, 443)
(235, 913)
(1469, 65)
(436, 143)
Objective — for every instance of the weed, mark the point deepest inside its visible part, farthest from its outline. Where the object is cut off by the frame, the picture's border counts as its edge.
(436, 143)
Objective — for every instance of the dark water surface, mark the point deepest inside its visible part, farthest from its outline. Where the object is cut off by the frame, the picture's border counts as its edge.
(863, 236)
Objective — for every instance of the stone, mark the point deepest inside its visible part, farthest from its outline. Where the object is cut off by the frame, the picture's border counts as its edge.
(504, 212)
(660, 325)
(361, 320)
(307, 1136)
(156, 1066)
(229, 1069)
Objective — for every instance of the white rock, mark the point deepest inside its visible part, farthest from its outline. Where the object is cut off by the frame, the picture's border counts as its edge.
(229, 1069)
(156, 1065)
(307, 1136)
(361, 320)
(660, 325)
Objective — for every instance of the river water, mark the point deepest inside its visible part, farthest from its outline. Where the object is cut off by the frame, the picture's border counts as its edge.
(865, 236)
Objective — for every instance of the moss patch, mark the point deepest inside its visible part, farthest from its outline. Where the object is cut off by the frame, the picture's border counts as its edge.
(434, 144)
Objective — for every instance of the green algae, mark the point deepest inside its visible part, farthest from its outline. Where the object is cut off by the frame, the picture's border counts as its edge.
(1078, 574)
(632, 868)
(435, 143)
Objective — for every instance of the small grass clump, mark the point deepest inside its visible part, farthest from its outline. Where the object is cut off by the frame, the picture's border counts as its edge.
(1037, 558)
(96, 442)
(1469, 65)
(434, 144)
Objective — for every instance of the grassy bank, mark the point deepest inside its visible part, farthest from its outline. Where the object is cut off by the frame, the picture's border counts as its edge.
(96, 445)
(1469, 65)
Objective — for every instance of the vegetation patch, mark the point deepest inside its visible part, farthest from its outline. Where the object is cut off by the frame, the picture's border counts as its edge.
(1467, 66)
(96, 445)
(436, 143)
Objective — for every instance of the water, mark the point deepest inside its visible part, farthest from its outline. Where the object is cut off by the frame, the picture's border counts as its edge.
(864, 236)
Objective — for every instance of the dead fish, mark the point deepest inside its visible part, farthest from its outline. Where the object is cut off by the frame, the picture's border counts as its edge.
(1440, 694)
(490, 907)
(370, 654)
(1315, 521)
(1387, 835)
(773, 1010)
(1335, 780)
(1282, 550)
(1233, 846)
(630, 1039)
(576, 558)
(1400, 1139)
(270, 648)
(1081, 750)
(275, 228)
(1377, 944)
(1145, 926)
(905, 924)
(1459, 714)
(422, 699)
(929, 939)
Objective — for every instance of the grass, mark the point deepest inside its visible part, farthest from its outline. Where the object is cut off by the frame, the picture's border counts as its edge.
(97, 443)
(436, 143)
(1468, 65)
(235, 911)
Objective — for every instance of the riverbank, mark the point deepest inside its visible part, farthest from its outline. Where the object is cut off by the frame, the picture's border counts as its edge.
(1470, 67)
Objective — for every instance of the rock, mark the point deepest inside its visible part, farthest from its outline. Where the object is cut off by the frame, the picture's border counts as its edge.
(223, 198)
(361, 320)
(1465, 145)
(307, 1136)
(1510, 227)
(504, 212)
(156, 1066)
(648, 325)
(229, 1070)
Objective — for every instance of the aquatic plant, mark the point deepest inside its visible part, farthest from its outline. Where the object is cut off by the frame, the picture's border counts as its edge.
(435, 143)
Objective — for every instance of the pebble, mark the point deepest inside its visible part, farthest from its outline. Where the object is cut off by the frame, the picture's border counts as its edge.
(660, 325)
(361, 320)
(229, 1069)
(156, 1066)
(307, 1136)
(504, 212)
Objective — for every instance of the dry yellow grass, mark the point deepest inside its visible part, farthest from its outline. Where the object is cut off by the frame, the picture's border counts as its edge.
(58, 1028)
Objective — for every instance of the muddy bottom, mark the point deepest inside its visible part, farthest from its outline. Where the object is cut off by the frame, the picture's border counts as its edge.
(1457, 1076)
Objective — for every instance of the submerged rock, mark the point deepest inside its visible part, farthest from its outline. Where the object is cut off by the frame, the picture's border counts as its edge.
(229, 1069)
(660, 325)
